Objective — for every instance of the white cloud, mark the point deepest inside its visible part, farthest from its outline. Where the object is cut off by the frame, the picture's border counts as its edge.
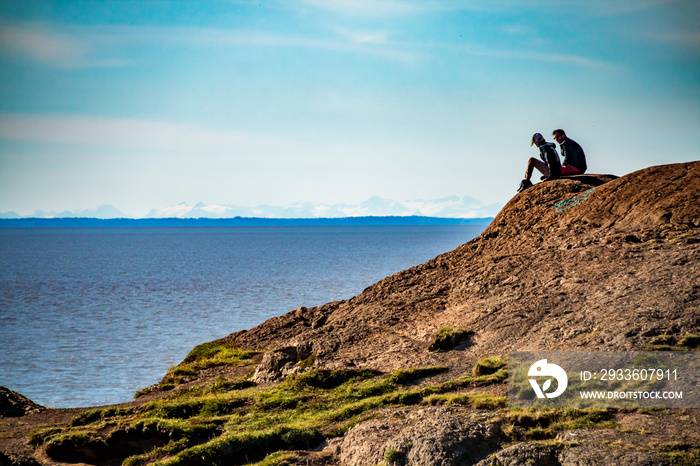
(366, 7)
(539, 57)
(39, 42)
(365, 37)
(119, 132)
(98, 46)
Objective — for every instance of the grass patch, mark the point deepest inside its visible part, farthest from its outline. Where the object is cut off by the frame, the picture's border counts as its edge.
(682, 458)
(247, 447)
(449, 337)
(233, 422)
(99, 415)
(308, 362)
(206, 355)
(690, 341)
(541, 424)
(477, 400)
(675, 446)
(392, 456)
(331, 379)
(217, 351)
(489, 365)
(668, 340)
(222, 384)
(279, 458)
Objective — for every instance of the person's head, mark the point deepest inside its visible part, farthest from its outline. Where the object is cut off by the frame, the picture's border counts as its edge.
(559, 135)
(537, 139)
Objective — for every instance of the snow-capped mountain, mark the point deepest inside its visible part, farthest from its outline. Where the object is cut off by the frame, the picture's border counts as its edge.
(449, 207)
(103, 211)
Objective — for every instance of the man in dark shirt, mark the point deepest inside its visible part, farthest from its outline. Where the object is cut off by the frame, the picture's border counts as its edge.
(574, 158)
(549, 166)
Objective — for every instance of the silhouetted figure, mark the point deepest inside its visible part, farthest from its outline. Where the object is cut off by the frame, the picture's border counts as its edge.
(574, 157)
(549, 166)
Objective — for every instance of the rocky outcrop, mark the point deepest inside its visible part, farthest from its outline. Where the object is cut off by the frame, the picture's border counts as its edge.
(569, 455)
(13, 404)
(278, 364)
(431, 436)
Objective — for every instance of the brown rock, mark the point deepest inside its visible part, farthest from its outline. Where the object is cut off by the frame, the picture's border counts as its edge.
(12, 404)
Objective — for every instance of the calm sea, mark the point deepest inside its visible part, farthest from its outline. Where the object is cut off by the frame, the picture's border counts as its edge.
(90, 315)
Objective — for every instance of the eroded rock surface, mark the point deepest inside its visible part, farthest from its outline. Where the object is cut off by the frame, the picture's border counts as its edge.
(430, 436)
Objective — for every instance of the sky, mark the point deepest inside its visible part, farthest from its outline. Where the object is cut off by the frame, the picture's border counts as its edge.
(148, 104)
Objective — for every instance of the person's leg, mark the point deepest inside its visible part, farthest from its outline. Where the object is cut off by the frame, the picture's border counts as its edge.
(539, 165)
(570, 170)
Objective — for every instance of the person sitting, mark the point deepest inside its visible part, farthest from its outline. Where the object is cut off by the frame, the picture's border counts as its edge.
(549, 166)
(574, 157)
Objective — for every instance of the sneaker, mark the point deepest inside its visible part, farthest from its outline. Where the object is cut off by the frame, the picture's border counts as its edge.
(524, 185)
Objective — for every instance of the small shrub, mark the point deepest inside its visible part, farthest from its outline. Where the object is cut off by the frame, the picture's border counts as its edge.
(489, 365)
(392, 456)
(449, 337)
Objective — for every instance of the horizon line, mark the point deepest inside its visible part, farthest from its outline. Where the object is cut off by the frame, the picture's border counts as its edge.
(369, 220)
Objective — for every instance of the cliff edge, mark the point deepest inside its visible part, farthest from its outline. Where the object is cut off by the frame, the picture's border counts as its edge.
(588, 262)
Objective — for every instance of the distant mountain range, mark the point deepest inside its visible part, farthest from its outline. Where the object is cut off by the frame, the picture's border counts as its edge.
(104, 211)
(448, 207)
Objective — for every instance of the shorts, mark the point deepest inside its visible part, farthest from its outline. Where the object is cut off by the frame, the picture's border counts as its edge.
(570, 170)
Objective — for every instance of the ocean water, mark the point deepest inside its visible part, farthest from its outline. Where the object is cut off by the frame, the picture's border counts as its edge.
(88, 316)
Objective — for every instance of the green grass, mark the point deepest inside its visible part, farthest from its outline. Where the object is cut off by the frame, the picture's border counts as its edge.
(474, 400)
(449, 337)
(204, 356)
(392, 456)
(541, 424)
(489, 365)
(278, 458)
(236, 422)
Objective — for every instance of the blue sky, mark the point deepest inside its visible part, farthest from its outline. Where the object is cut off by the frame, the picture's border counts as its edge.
(147, 104)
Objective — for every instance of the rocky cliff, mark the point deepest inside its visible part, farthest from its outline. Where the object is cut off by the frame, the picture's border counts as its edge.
(412, 370)
(588, 262)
